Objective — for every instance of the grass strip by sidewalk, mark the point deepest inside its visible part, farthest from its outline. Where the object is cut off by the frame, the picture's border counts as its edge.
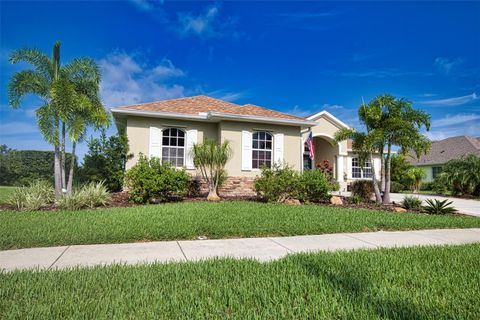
(214, 220)
(407, 283)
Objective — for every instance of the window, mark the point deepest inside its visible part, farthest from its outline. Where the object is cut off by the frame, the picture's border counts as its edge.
(358, 172)
(173, 146)
(436, 171)
(261, 150)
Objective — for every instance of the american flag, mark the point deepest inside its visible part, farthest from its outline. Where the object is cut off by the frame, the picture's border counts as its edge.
(309, 143)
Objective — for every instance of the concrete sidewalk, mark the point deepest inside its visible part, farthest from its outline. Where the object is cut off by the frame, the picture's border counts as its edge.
(262, 249)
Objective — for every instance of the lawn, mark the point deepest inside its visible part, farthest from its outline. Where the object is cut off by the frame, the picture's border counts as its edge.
(5, 193)
(408, 283)
(188, 220)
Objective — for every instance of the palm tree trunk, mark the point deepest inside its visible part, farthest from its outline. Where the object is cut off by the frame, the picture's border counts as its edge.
(57, 173)
(378, 196)
(386, 195)
(72, 164)
(382, 172)
(62, 158)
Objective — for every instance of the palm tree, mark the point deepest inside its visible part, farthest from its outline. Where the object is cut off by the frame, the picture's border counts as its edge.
(396, 123)
(365, 144)
(211, 158)
(65, 92)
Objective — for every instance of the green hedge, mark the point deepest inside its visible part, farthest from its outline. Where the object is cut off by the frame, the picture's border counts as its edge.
(21, 167)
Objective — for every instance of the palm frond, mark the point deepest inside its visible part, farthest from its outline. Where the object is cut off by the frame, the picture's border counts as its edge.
(27, 82)
(39, 60)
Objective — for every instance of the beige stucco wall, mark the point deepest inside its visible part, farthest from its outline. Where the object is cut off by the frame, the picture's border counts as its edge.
(327, 129)
(232, 131)
(428, 172)
(138, 132)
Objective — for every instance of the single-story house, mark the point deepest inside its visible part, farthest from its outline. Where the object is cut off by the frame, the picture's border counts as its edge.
(443, 151)
(168, 129)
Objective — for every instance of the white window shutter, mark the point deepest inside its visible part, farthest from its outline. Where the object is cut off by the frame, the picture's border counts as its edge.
(246, 150)
(191, 140)
(155, 144)
(278, 148)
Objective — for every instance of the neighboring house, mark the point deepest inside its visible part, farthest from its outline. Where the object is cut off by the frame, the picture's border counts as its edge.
(168, 129)
(443, 151)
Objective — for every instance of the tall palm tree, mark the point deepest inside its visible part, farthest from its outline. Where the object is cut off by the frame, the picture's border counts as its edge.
(70, 100)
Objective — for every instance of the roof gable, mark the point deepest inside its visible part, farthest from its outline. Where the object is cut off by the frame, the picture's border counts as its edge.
(330, 117)
(202, 104)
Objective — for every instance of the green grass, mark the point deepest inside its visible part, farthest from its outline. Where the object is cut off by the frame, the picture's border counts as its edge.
(408, 283)
(192, 219)
(5, 193)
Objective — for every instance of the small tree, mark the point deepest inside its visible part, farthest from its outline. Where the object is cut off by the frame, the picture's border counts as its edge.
(210, 158)
(414, 178)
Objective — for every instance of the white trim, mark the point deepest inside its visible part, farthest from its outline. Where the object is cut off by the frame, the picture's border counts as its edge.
(244, 118)
(159, 114)
(155, 142)
(246, 150)
(278, 149)
(328, 115)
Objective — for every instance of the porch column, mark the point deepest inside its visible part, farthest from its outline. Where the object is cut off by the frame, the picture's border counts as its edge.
(340, 168)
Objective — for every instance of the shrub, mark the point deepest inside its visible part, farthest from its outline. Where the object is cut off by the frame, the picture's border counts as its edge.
(427, 186)
(37, 195)
(315, 186)
(354, 200)
(412, 203)
(92, 195)
(435, 206)
(396, 187)
(277, 184)
(105, 161)
(362, 189)
(439, 184)
(462, 176)
(151, 181)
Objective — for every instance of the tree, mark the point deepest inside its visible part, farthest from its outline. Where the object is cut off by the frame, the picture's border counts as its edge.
(462, 176)
(105, 160)
(211, 158)
(397, 125)
(365, 144)
(68, 94)
(414, 178)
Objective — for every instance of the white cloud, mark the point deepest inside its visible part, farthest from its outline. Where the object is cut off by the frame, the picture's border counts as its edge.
(208, 24)
(381, 73)
(457, 119)
(127, 81)
(146, 5)
(446, 65)
(448, 102)
(299, 111)
(200, 25)
(229, 95)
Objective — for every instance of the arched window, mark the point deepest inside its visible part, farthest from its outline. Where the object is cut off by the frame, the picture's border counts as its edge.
(173, 146)
(261, 149)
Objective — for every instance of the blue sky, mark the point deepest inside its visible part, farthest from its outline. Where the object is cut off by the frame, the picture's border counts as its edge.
(297, 57)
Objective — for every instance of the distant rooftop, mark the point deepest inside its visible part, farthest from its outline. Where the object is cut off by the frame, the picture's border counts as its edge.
(448, 149)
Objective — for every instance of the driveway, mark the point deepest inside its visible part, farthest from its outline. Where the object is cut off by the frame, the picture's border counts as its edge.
(466, 206)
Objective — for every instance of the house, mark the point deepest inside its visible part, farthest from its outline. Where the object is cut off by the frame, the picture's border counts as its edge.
(443, 151)
(168, 129)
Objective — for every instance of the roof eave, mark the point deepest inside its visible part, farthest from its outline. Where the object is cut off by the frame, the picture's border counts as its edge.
(211, 116)
(244, 118)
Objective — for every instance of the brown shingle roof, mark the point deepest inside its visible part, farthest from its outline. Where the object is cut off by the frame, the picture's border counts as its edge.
(448, 149)
(199, 104)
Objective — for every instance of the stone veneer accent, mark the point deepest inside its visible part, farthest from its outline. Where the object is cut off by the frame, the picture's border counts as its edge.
(233, 187)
